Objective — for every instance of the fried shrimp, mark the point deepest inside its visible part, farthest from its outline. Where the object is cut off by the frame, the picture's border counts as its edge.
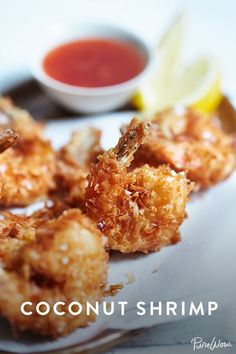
(139, 210)
(7, 139)
(74, 162)
(27, 168)
(18, 119)
(192, 142)
(15, 231)
(66, 262)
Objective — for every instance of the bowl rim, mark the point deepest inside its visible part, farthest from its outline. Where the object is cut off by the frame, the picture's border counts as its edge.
(43, 78)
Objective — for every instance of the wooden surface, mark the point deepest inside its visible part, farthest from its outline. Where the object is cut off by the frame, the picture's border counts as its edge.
(30, 96)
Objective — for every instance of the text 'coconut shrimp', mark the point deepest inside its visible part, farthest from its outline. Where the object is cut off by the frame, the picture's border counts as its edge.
(140, 210)
(27, 168)
(65, 261)
(192, 142)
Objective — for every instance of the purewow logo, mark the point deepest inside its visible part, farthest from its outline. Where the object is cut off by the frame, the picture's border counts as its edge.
(215, 343)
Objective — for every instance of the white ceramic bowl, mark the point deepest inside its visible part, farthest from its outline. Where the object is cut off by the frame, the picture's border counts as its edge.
(80, 99)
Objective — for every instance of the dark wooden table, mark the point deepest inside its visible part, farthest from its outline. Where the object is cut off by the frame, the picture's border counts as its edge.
(30, 96)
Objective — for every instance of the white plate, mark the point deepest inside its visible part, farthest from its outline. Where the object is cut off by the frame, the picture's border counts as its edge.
(199, 268)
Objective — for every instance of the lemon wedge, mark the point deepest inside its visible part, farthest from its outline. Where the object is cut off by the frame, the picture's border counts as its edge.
(198, 85)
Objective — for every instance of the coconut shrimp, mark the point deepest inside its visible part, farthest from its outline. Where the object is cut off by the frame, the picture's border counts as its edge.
(15, 231)
(192, 142)
(65, 262)
(139, 210)
(7, 139)
(27, 168)
(73, 164)
(18, 120)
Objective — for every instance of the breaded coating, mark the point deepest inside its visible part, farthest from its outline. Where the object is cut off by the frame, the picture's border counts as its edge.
(73, 164)
(7, 139)
(66, 262)
(15, 231)
(49, 211)
(27, 172)
(18, 119)
(27, 168)
(139, 210)
(189, 141)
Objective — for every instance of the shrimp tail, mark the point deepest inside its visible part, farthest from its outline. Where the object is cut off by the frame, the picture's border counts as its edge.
(7, 139)
(129, 143)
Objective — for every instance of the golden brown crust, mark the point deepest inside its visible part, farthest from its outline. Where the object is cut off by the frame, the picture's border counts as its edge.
(18, 120)
(139, 210)
(27, 168)
(27, 171)
(192, 142)
(73, 163)
(7, 139)
(66, 262)
(15, 231)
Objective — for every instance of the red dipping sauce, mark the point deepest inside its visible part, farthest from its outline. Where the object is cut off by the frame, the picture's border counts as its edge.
(94, 62)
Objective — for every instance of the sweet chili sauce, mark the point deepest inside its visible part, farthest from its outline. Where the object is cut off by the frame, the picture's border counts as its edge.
(94, 62)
